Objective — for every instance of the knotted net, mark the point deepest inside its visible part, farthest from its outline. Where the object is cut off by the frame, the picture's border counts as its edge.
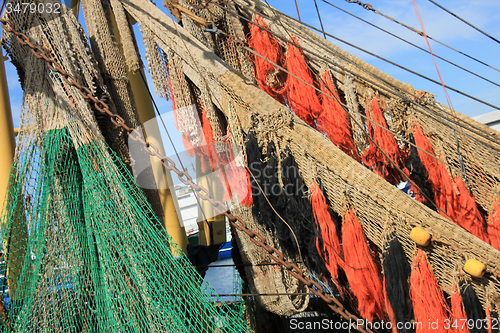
(82, 249)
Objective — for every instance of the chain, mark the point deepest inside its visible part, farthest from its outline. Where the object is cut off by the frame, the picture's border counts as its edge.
(5, 317)
(366, 6)
(276, 255)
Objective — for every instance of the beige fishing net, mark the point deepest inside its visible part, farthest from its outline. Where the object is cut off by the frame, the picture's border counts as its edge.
(380, 207)
(99, 21)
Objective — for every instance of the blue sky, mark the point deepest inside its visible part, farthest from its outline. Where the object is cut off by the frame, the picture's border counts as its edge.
(438, 24)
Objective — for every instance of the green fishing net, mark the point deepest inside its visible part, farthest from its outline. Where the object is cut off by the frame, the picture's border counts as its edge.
(82, 248)
(87, 255)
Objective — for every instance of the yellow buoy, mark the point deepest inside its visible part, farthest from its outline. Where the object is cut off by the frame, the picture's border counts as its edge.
(475, 268)
(420, 236)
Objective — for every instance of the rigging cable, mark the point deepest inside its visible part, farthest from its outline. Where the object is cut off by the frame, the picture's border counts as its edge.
(344, 106)
(450, 104)
(412, 44)
(421, 34)
(319, 17)
(397, 90)
(461, 19)
(172, 142)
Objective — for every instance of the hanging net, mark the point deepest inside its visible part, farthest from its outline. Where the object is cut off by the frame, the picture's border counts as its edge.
(82, 248)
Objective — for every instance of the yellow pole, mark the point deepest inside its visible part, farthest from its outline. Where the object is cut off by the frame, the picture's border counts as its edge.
(212, 227)
(75, 7)
(147, 114)
(15, 243)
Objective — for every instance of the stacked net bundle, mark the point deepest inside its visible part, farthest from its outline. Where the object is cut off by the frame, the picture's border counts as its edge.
(470, 150)
(205, 129)
(82, 248)
(380, 207)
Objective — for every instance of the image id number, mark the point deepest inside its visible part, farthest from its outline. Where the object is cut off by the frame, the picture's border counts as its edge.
(31, 7)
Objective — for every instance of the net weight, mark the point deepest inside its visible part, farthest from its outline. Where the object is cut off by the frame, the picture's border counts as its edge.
(31, 7)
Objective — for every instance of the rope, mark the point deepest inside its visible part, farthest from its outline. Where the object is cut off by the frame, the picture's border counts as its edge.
(421, 34)
(469, 24)
(396, 90)
(412, 44)
(448, 99)
(319, 17)
(297, 7)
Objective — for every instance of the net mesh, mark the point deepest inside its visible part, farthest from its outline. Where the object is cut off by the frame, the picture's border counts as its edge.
(82, 248)
(380, 207)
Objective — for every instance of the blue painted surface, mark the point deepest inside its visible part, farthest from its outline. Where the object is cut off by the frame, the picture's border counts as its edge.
(221, 279)
(225, 250)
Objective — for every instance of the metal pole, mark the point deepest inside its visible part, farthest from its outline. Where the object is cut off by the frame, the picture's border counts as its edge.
(15, 243)
(147, 114)
(212, 227)
(75, 7)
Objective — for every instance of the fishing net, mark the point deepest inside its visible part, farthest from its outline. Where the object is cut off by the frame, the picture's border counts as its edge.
(191, 96)
(380, 207)
(82, 247)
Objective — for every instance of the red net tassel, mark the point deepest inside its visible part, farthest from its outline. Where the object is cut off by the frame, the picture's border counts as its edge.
(237, 184)
(457, 309)
(493, 225)
(451, 196)
(208, 134)
(373, 157)
(301, 97)
(326, 227)
(428, 161)
(427, 297)
(488, 318)
(266, 75)
(334, 121)
(467, 214)
(361, 270)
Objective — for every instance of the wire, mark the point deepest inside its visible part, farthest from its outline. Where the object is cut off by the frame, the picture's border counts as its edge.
(461, 19)
(396, 90)
(319, 17)
(433, 39)
(297, 7)
(460, 158)
(344, 107)
(171, 142)
(412, 44)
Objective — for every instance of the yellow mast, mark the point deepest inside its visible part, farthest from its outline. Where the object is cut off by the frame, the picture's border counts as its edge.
(16, 243)
(147, 114)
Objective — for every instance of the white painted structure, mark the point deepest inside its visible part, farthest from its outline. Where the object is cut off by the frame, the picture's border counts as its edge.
(491, 119)
(188, 206)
